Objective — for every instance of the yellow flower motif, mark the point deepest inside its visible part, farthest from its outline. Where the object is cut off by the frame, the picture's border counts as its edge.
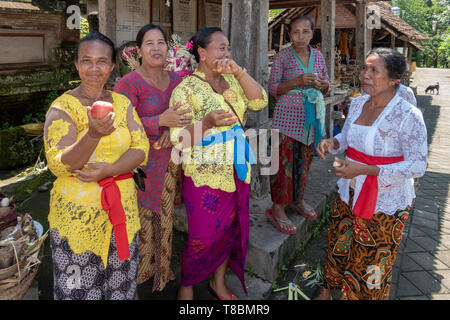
(58, 129)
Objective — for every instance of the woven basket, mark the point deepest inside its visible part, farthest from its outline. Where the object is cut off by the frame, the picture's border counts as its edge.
(15, 287)
(18, 289)
(12, 269)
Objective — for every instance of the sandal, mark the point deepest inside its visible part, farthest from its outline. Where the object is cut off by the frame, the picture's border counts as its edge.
(276, 222)
(213, 292)
(307, 211)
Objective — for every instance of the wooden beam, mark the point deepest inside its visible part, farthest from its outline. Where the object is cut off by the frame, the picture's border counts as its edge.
(328, 29)
(281, 36)
(107, 18)
(247, 20)
(392, 41)
(410, 52)
(284, 4)
(405, 48)
(270, 39)
(361, 34)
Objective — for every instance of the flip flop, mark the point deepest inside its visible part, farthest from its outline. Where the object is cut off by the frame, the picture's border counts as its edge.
(213, 292)
(276, 222)
(307, 211)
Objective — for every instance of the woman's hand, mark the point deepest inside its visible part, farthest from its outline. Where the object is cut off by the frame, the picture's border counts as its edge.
(327, 145)
(228, 66)
(163, 141)
(347, 169)
(219, 118)
(306, 79)
(94, 172)
(100, 127)
(321, 83)
(173, 117)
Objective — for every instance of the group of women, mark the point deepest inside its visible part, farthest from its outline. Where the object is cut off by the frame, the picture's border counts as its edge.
(107, 236)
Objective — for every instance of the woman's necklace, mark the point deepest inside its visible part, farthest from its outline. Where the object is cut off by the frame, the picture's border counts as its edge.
(228, 93)
(151, 80)
(103, 96)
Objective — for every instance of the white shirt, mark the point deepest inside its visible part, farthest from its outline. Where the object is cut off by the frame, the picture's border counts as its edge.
(407, 94)
(398, 131)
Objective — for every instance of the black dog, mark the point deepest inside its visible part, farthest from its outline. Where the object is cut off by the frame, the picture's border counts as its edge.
(432, 88)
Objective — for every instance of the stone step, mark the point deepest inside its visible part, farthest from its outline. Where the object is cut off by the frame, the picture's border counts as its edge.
(268, 248)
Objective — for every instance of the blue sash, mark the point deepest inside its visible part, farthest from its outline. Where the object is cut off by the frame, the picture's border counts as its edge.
(242, 153)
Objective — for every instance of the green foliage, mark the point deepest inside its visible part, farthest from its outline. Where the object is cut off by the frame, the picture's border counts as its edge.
(6, 126)
(40, 116)
(21, 152)
(274, 13)
(272, 103)
(420, 14)
(444, 51)
(16, 150)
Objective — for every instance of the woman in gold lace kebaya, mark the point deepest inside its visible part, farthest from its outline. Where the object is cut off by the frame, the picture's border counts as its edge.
(93, 217)
(215, 191)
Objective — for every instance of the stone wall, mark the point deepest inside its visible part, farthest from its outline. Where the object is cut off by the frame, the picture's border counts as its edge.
(30, 37)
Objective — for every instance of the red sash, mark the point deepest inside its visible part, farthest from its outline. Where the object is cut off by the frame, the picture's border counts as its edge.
(367, 199)
(112, 204)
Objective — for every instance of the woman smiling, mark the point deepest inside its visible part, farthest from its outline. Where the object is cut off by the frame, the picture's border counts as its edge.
(93, 217)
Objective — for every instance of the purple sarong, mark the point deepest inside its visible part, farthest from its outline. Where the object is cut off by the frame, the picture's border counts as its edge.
(218, 223)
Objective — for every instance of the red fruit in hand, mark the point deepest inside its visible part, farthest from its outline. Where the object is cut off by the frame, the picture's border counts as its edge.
(100, 109)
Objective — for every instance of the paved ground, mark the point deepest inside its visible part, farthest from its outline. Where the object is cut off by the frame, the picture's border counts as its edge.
(423, 265)
(422, 269)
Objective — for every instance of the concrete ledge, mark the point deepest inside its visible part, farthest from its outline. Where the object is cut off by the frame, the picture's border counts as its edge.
(268, 248)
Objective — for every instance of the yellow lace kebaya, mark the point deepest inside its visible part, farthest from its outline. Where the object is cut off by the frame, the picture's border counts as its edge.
(211, 165)
(75, 206)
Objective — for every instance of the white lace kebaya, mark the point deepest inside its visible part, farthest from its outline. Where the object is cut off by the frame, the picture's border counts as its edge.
(398, 131)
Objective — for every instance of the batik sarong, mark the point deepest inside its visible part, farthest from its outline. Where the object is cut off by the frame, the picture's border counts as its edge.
(218, 223)
(155, 236)
(288, 185)
(361, 253)
(84, 277)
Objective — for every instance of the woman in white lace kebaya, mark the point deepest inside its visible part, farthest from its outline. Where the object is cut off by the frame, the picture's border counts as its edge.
(385, 140)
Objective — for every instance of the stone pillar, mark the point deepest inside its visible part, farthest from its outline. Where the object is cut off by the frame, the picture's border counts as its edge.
(107, 18)
(327, 28)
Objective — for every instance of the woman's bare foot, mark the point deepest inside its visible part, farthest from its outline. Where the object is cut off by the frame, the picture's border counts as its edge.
(325, 294)
(221, 290)
(304, 209)
(279, 213)
(185, 293)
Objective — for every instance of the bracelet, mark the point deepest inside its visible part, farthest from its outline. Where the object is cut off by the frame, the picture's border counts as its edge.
(241, 74)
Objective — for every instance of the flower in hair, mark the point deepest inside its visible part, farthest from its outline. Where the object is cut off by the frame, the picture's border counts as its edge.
(180, 58)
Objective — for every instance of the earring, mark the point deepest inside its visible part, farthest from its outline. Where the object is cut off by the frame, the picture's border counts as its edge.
(202, 58)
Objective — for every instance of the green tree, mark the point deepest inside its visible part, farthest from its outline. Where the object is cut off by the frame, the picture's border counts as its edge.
(421, 14)
(444, 52)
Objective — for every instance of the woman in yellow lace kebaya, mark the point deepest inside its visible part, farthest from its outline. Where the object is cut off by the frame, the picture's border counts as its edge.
(93, 217)
(216, 162)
